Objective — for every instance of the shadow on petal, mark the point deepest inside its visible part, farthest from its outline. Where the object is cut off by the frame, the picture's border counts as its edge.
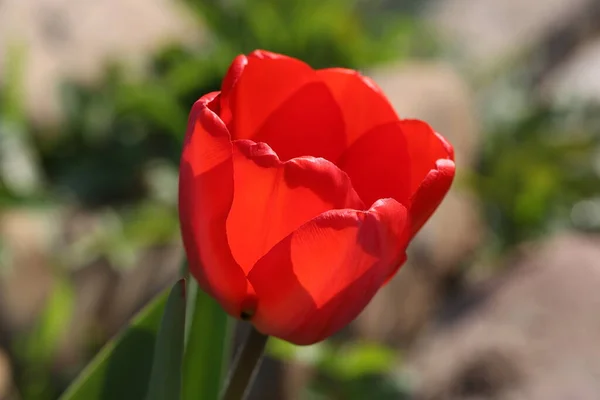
(272, 198)
(205, 197)
(318, 279)
(308, 123)
(378, 164)
(363, 104)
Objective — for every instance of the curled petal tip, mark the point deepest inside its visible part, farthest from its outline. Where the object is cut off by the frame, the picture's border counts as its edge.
(446, 145)
(265, 54)
(233, 73)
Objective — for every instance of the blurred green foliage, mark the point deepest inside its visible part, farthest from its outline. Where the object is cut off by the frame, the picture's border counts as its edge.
(19, 168)
(537, 173)
(37, 348)
(354, 370)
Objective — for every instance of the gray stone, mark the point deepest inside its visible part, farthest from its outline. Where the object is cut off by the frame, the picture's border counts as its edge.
(530, 334)
(578, 78)
(486, 32)
(28, 236)
(64, 38)
(5, 376)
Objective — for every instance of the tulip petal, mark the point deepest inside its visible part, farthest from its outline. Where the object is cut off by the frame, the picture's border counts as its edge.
(378, 164)
(205, 196)
(392, 160)
(430, 194)
(363, 104)
(308, 123)
(273, 198)
(233, 74)
(281, 101)
(260, 89)
(265, 54)
(425, 147)
(319, 278)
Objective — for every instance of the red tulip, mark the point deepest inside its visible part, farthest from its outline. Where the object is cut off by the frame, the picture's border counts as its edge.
(300, 191)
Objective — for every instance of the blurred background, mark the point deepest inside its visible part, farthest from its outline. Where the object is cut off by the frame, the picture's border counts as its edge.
(500, 297)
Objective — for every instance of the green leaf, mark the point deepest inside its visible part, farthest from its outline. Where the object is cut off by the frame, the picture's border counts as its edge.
(122, 368)
(45, 338)
(347, 362)
(37, 349)
(11, 96)
(207, 346)
(165, 379)
(311, 355)
(359, 359)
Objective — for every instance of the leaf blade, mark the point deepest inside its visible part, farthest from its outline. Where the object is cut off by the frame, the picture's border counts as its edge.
(120, 371)
(165, 378)
(207, 346)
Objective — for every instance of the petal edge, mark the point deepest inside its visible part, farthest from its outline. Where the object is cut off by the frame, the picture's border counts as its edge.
(205, 195)
(430, 193)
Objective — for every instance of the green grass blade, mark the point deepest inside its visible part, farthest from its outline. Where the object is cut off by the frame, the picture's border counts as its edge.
(165, 379)
(208, 339)
(122, 368)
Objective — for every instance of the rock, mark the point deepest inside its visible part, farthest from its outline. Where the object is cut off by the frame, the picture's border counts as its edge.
(5, 376)
(547, 50)
(399, 310)
(487, 32)
(530, 334)
(578, 78)
(75, 39)
(26, 277)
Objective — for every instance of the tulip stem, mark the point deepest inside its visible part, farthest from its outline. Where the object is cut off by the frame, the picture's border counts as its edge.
(245, 366)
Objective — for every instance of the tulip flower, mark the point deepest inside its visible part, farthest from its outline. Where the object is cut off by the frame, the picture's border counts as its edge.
(299, 192)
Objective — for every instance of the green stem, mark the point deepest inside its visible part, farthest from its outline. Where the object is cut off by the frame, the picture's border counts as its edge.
(245, 366)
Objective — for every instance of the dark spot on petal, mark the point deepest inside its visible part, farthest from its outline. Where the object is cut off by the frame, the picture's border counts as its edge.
(246, 315)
